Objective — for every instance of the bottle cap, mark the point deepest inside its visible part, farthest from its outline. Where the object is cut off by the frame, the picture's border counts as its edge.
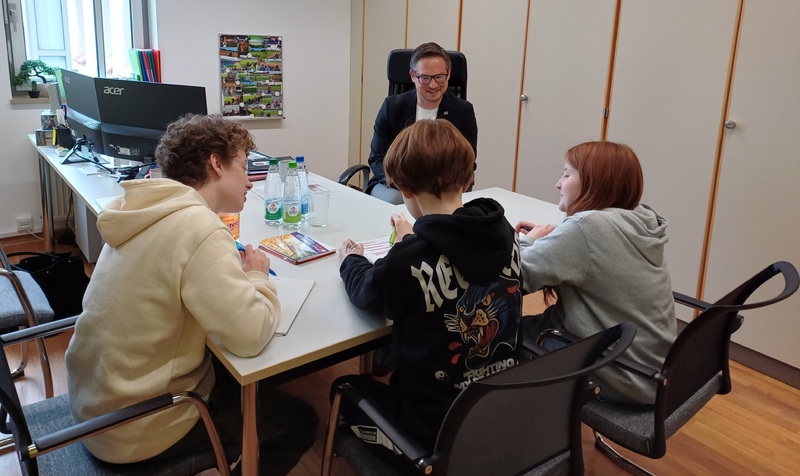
(300, 159)
(292, 164)
(273, 161)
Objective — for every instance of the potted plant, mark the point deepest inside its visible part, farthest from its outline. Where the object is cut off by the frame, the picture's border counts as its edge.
(29, 70)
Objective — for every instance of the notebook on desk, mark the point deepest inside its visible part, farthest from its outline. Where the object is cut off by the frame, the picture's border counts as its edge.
(292, 293)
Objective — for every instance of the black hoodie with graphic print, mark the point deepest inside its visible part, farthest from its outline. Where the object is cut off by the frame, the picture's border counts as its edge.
(453, 290)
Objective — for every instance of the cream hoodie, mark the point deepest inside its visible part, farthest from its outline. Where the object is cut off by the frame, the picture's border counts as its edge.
(168, 275)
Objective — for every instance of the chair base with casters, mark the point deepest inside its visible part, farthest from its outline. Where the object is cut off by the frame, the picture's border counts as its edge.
(694, 371)
(24, 304)
(522, 420)
(47, 440)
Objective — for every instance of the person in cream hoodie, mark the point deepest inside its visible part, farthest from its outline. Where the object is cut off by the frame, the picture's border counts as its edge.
(170, 274)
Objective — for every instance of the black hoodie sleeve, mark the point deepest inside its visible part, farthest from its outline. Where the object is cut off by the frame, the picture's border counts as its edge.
(360, 283)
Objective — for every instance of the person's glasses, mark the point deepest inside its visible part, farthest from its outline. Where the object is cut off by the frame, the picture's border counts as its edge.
(425, 79)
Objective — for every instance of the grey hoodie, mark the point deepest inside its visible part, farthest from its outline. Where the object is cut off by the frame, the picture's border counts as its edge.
(609, 267)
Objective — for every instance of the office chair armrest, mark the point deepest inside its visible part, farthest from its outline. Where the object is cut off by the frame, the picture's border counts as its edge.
(351, 171)
(101, 423)
(621, 362)
(689, 301)
(40, 330)
(388, 425)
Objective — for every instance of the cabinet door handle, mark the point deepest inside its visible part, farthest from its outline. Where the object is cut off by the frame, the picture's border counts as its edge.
(730, 125)
(523, 98)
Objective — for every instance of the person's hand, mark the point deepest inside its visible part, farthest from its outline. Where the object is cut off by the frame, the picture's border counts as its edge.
(254, 260)
(401, 224)
(524, 227)
(350, 247)
(533, 230)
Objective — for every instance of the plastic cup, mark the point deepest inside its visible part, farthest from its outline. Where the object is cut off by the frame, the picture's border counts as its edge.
(318, 205)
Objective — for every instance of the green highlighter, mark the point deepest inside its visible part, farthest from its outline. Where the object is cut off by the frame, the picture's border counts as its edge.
(392, 236)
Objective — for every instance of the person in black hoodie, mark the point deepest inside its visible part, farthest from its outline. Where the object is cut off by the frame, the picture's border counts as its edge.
(452, 284)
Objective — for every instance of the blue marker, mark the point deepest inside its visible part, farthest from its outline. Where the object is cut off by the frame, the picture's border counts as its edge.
(241, 247)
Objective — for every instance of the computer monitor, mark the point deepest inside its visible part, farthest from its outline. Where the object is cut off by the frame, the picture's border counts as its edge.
(83, 112)
(135, 114)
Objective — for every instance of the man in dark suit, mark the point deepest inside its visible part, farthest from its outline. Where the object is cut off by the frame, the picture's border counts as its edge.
(430, 72)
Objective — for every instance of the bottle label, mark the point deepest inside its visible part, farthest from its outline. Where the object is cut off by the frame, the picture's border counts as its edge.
(232, 221)
(273, 211)
(292, 213)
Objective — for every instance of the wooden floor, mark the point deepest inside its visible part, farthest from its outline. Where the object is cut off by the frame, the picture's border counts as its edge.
(753, 430)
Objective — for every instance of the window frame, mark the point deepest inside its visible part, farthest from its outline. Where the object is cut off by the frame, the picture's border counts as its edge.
(15, 35)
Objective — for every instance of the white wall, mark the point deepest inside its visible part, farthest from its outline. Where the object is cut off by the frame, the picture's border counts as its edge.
(317, 59)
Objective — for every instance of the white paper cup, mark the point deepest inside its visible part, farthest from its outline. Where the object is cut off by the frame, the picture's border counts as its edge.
(318, 205)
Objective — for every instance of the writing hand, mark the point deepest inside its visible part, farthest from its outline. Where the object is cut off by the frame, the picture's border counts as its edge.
(254, 260)
(401, 225)
(524, 227)
(349, 247)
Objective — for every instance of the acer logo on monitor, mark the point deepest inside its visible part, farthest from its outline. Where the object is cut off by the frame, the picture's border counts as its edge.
(113, 90)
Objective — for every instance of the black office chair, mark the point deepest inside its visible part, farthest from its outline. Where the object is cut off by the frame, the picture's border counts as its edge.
(695, 369)
(47, 440)
(522, 419)
(397, 66)
(24, 304)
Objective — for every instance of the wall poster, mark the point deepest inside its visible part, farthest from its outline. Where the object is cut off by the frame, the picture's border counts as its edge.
(251, 76)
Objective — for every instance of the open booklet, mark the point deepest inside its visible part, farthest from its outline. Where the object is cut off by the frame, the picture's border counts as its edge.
(376, 249)
(292, 293)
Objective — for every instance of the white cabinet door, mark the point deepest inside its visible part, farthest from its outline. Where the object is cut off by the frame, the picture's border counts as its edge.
(666, 103)
(493, 40)
(384, 30)
(566, 65)
(756, 221)
(433, 21)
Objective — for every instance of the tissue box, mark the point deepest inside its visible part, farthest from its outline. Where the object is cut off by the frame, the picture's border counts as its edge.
(48, 119)
(44, 137)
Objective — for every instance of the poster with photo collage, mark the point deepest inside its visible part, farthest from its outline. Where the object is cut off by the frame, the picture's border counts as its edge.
(251, 76)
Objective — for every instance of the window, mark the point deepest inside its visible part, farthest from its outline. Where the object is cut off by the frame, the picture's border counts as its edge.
(92, 37)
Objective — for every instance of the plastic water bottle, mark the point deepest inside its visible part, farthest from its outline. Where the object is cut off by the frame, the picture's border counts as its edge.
(292, 201)
(273, 194)
(302, 173)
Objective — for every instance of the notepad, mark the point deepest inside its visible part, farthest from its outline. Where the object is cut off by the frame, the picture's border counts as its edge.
(292, 293)
(103, 201)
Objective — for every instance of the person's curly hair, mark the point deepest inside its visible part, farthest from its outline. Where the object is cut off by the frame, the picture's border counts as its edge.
(189, 142)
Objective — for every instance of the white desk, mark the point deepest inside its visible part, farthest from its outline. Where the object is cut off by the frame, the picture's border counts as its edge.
(328, 326)
(520, 207)
(87, 189)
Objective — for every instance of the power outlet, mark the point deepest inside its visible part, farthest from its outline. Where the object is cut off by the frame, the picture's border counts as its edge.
(24, 223)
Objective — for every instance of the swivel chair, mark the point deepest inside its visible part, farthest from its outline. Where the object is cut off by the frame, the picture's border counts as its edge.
(24, 304)
(695, 369)
(524, 419)
(397, 67)
(47, 440)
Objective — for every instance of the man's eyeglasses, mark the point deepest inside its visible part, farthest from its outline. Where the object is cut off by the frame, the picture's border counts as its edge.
(425, 79)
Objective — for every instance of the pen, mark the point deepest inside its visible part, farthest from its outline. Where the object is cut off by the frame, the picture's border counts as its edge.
(241, 247)
(393, 236)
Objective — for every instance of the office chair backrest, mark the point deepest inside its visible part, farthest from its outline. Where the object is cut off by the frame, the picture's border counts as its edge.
(398, 65)
(701, 350)
(528, 414)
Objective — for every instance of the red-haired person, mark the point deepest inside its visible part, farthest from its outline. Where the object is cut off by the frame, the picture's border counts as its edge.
(605, 262)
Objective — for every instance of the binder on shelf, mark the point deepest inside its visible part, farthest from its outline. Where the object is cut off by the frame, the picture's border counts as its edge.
(145, 64)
